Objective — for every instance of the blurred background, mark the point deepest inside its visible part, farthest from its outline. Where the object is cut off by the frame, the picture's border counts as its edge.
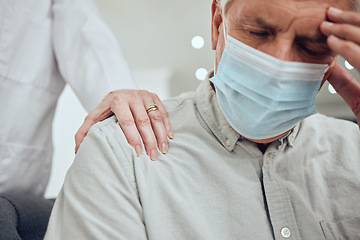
(167, 45)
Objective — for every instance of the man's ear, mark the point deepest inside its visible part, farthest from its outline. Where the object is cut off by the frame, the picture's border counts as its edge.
(216, 22)
(329, 71)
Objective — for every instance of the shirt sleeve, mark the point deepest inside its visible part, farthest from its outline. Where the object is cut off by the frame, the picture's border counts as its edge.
(98, 199)
(87, 53)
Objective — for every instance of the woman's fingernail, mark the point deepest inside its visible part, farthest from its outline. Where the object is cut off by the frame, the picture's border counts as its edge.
(164, 148)
(171, 135)
(138, 150)
(153, 155)
(335, 11)
(327, 24)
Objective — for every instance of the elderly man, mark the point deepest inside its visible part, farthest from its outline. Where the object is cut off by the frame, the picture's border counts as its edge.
(248, 162)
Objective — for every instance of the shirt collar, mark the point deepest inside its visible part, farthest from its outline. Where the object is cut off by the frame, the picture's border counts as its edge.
(290, 137)
(210, 111)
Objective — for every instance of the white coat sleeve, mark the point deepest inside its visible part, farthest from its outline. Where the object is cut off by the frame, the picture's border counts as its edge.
(97, 200)
(87, 53)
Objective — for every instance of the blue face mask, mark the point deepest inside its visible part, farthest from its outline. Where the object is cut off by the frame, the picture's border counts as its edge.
(261, 96)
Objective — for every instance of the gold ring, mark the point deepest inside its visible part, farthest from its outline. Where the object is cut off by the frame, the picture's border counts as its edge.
(152, 107)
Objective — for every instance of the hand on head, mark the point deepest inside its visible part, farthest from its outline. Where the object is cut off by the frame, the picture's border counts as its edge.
(343, 31)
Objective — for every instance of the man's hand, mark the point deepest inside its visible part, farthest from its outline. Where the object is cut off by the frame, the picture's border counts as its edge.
(343, 31)
(129, 107)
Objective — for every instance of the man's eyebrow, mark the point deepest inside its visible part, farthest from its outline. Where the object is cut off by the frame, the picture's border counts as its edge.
(245, 21)
(321, 39)
(248, 20)
(264, 24)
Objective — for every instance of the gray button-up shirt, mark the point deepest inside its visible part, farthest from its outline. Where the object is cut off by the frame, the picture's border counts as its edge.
(212, 184)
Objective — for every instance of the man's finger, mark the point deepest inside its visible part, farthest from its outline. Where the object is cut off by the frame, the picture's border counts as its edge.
(342, 31)
(338, 16)
(349, 50)
(347, 87)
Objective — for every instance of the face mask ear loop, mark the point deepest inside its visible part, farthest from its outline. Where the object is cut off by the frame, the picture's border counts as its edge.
(224, 26)
(225, 35)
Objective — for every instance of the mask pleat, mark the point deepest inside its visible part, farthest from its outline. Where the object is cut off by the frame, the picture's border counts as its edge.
(261, 96)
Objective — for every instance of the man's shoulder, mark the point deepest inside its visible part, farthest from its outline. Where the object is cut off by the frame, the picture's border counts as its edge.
(107, 123)
(107, 138)
(111, 132)
(184, 100)
(330, 128)
(327, 123)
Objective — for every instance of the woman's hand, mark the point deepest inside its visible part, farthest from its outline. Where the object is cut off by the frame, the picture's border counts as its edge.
(129, 107)
(343, 31)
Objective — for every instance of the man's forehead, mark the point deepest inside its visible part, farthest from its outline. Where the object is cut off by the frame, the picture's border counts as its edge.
(341, 4)
(301, 15)
(346, 4)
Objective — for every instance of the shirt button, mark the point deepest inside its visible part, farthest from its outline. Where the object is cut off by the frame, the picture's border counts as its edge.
(227, 143)
(268, 158)
(285, 232)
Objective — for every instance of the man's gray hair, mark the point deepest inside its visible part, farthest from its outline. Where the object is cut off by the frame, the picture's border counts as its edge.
(225, 4)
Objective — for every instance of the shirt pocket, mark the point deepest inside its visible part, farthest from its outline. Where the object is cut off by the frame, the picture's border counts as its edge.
(346, 229)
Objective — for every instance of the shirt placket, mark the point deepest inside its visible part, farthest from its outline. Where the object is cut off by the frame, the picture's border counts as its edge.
(278, 201)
